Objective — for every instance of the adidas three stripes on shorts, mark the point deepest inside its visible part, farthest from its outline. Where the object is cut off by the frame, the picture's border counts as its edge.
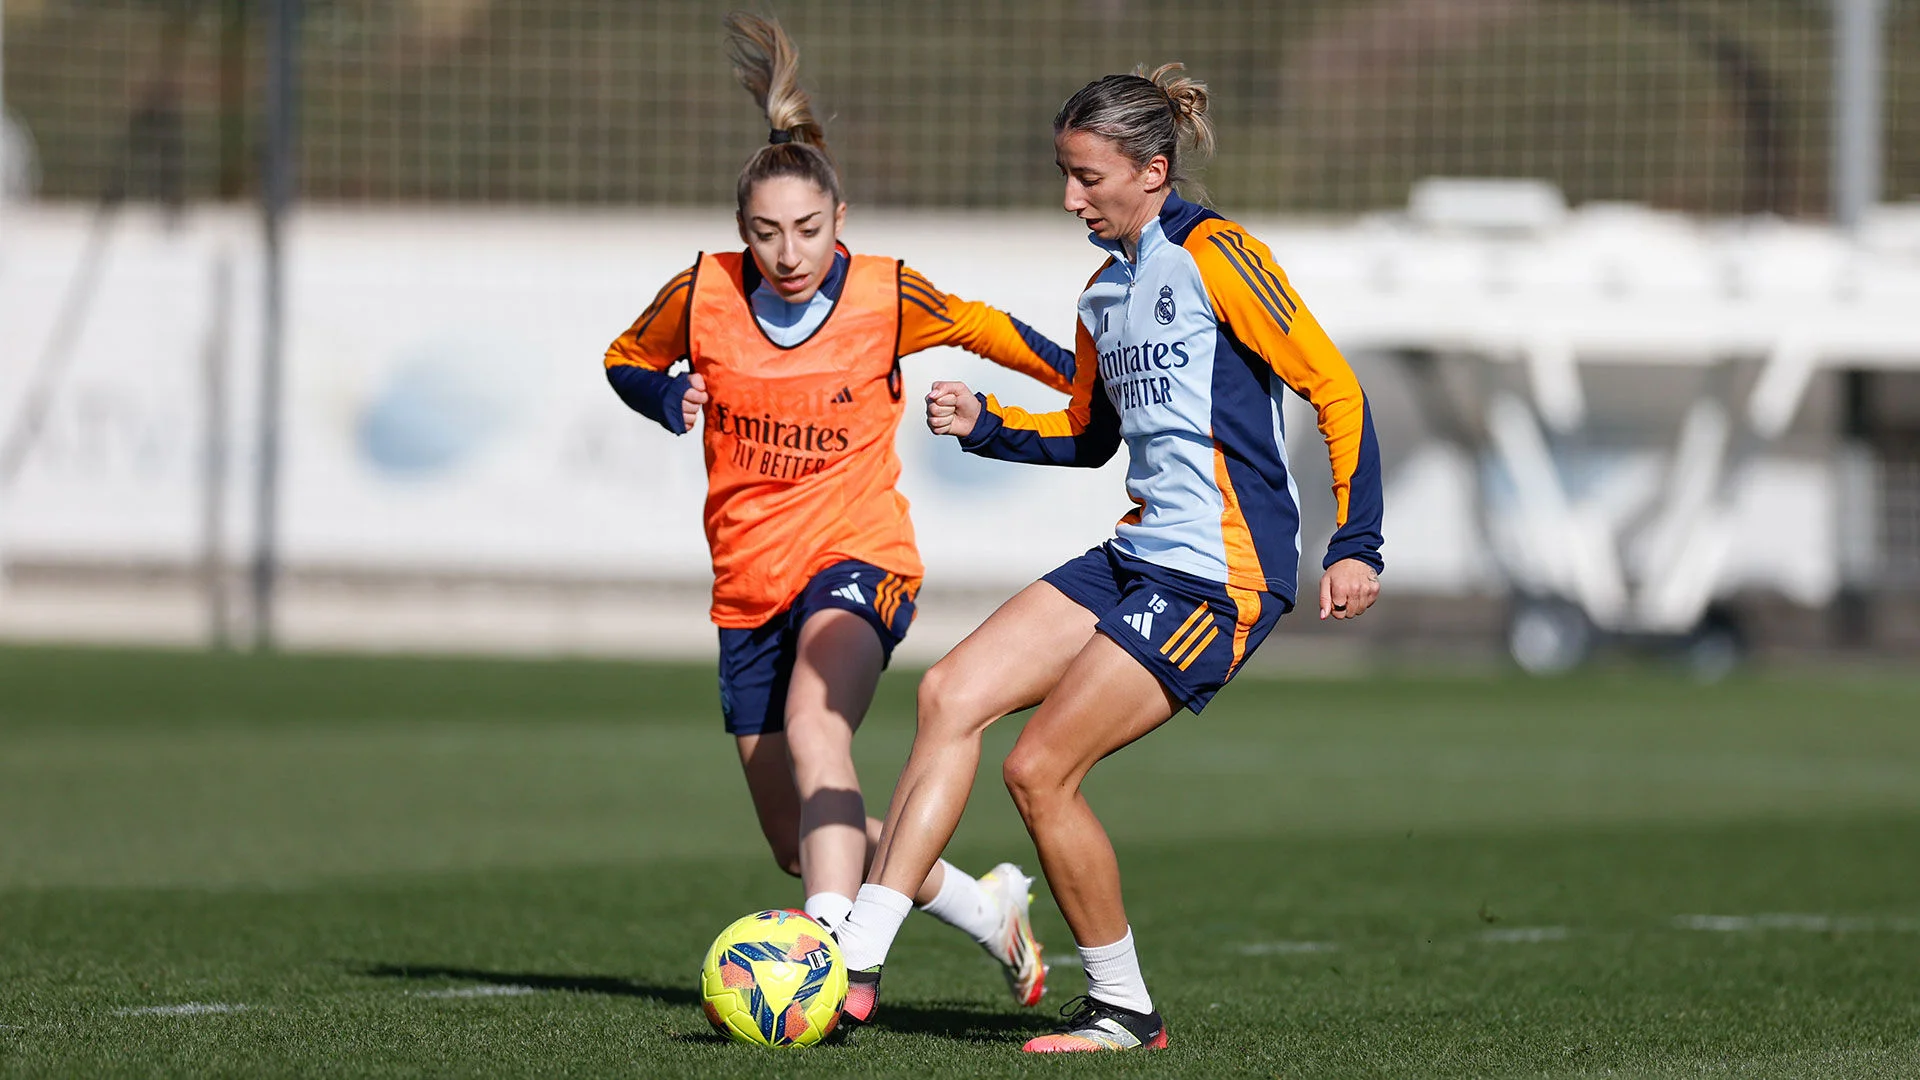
(756, 664)
(1192, 634)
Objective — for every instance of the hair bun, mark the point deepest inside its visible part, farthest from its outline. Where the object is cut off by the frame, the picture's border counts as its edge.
(1188, 101)
(1186, 94)
(1188, 98)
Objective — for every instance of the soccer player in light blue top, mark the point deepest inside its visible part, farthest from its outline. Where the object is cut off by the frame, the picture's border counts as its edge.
(1189, 336)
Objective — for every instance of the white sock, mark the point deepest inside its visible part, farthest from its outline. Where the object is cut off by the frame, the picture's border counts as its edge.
(962, 903)
(867, 932)
(828, 908)
(1113, 975)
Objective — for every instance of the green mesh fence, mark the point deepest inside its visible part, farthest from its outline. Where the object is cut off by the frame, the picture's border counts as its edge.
(1335, 106)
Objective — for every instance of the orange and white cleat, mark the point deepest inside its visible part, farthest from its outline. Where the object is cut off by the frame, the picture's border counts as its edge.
(1096, 1025)
(1015, 948)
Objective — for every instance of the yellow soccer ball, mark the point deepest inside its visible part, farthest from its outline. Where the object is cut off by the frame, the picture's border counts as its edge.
(774, 978)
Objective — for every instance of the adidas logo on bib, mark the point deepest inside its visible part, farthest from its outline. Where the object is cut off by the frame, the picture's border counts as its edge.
(851, 591)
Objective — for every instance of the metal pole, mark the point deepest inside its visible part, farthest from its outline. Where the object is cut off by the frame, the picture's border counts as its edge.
(213, 454)
(3, 104)
(1858, 39)
(233, 93)
(276, 195)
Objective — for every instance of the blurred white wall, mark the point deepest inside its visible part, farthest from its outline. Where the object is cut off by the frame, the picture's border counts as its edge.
(446, 409)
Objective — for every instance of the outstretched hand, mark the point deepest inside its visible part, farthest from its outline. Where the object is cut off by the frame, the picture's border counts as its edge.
(1347, 589)
(951, 409)
(693, 400)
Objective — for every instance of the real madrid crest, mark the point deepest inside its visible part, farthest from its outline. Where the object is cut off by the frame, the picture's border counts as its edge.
(1163, 308)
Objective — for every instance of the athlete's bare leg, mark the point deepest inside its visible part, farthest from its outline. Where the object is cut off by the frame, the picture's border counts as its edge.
(836, 668)
(769, 772)
(1105, 700)
(1011, 662)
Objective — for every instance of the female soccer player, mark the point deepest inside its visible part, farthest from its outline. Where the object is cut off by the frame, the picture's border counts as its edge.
(793, 349)
(1194, 334)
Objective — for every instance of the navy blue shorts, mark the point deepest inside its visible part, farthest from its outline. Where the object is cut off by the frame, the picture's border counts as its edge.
(756, 664)
(1193, 634)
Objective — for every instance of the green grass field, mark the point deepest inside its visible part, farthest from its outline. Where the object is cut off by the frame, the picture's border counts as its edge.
(433, 867)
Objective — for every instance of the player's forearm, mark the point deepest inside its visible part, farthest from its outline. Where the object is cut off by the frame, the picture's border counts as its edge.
(653, 394)
(1005, 340)
(1043, 439)
(1357, 492)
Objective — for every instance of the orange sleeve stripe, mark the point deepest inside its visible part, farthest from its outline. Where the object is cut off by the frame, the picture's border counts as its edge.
(1051, 425)
(916, 287)
(1078, 415)
(915, 292)
(930, 318)
(679, 281)
(658, 337)
(674, 289)
(1251, 296)
(1343, 448)
(1266, 284)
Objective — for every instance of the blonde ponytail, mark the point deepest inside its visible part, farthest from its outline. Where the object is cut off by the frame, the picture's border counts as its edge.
(768, 65)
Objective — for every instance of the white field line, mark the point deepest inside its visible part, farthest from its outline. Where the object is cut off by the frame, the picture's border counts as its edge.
(1063, 960)
(489, 990)
(1524, 935)
(191, 1008)
(1813, 924)
(1286, 948)
(1535, 935)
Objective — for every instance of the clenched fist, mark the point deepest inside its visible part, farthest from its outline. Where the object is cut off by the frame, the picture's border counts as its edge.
(693, 400)
(951, 409)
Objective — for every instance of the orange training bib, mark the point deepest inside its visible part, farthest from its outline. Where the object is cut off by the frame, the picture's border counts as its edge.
(799, 441)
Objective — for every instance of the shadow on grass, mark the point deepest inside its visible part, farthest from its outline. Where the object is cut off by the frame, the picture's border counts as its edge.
(956, 1020)
(962, 1020)
(579, 984)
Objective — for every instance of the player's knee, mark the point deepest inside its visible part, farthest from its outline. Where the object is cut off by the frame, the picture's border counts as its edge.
(931, 698)
(1030, 779)
(818, 738)
(948, 706)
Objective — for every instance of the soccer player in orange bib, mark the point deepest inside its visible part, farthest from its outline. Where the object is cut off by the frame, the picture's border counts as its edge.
(793, 357)
(1189, 338)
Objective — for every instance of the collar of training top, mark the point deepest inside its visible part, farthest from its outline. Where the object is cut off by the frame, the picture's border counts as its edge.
(1174, 217)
